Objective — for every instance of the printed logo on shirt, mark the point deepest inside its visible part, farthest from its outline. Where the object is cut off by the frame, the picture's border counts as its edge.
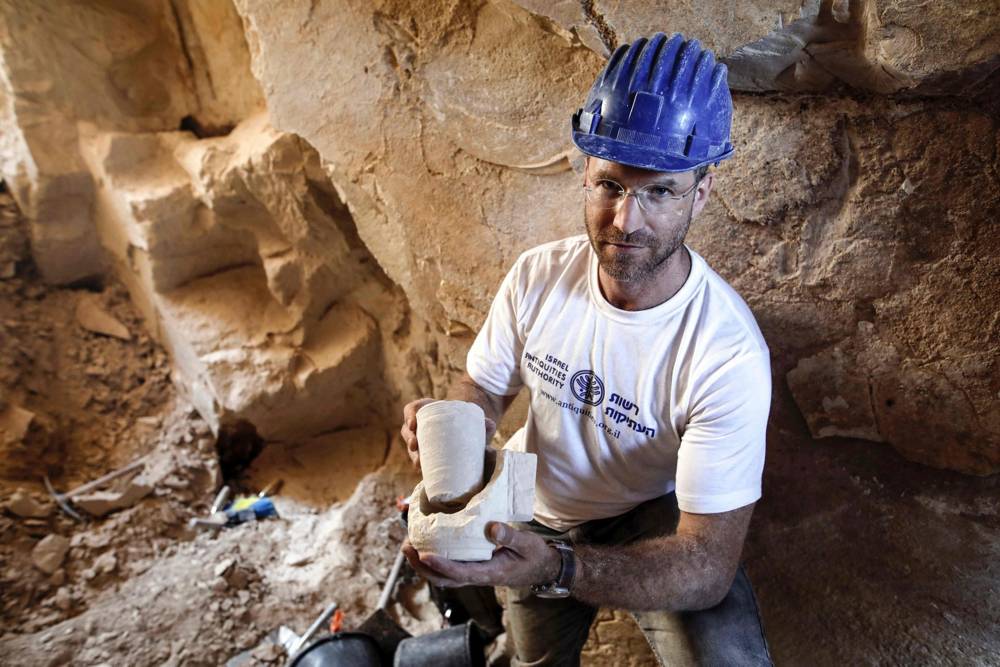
(622, 414)
(587, 387)
(549, 368)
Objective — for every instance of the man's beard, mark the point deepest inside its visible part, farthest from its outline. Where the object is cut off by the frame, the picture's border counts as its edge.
(636, 266)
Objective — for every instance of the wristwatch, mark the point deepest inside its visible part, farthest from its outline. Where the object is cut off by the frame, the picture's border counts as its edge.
(560, 587)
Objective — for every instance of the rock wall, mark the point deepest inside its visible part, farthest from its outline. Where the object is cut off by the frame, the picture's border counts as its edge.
(130, 66)
(835, 220)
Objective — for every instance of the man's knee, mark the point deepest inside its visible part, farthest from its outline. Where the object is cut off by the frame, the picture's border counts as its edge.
(729, 633)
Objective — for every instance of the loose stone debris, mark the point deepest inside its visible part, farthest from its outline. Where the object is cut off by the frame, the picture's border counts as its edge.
(24, 505)
(48, 554)
(93, 317)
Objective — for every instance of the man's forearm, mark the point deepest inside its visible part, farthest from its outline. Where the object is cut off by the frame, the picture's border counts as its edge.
(674, 573)
(465, 389)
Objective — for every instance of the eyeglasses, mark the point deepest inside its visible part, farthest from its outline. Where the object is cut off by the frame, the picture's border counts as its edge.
(653, 199)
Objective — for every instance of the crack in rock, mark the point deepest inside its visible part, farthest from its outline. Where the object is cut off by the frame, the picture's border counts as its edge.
(604, 30)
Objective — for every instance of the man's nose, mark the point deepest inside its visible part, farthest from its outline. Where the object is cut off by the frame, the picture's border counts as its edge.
(628, 216)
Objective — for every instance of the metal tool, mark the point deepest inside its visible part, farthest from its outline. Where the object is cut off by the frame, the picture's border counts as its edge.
(320, 620)
(380, 626)
(241, 510)
(64, 500)
(220, 500)
(383, 600)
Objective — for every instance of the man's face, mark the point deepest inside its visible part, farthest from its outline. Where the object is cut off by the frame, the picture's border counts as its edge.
(632, 245)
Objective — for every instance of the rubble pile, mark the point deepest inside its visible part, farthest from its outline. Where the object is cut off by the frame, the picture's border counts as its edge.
(134, 578)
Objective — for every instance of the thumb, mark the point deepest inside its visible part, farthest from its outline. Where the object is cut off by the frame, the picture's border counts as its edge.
(500, 534)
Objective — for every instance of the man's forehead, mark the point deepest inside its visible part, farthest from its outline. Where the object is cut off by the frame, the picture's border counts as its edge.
(599, 168)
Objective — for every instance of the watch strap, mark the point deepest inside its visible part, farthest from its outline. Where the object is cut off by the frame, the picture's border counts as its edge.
(560, 588)
(568, 568)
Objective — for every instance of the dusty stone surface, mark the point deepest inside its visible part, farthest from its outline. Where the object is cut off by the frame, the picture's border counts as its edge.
(883, 46)
(135, 81)
(128, 582)
(603, 25)
(219, 61)
(615, 639)
(102, 503)
(823, 216)
(22, 435)
(397, 170)
(847, 548)
(875, 287)
(80, 386)
(322, 470)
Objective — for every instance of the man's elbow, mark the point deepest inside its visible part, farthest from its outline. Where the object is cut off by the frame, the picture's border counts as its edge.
(712, 593)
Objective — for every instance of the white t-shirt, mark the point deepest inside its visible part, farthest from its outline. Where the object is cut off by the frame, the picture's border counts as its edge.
(627, 406)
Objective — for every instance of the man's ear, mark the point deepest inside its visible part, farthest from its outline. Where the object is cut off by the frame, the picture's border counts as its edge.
(701, 194)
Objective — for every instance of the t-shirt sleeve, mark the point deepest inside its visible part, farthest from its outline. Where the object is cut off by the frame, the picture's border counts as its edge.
(721, 457)
(494, 359)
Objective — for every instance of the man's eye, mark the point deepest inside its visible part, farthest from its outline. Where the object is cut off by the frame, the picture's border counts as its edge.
(609, 186)
(659, 192)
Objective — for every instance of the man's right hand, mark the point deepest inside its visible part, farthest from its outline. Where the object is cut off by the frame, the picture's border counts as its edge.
(409, 429)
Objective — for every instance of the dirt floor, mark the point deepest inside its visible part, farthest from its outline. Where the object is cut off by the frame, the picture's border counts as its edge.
(858, 557)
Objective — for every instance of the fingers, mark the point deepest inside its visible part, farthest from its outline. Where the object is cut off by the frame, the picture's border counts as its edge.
(508, 566)
(410, 412)
(460, 573)
(421, 567)
(408, 431)
(414, 559)
(521, 542)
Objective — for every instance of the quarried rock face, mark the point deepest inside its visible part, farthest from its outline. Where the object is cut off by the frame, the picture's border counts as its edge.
(312, 202)
(60, 66)
(883, 46)
(233, 251)
(467, 154)
(603, 25)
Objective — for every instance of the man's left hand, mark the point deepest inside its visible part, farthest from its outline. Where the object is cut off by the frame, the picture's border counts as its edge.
(521, 559)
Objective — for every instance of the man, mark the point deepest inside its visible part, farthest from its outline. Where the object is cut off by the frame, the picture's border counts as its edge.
(649, 384)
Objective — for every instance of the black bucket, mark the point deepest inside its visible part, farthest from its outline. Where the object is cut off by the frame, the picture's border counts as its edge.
(344, 649)
(458, 646)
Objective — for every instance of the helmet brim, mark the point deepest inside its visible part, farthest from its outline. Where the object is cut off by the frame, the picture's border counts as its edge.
(613, 150)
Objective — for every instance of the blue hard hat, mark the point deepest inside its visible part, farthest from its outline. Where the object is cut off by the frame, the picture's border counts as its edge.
(659, 104)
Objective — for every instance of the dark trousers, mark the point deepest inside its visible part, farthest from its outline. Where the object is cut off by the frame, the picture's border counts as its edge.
(553, 632)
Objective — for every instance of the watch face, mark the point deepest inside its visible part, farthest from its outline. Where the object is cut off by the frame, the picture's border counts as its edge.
(550, 591)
